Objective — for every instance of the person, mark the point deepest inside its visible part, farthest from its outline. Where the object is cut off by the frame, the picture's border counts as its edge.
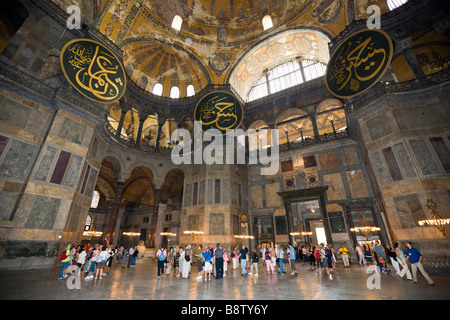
(280, 256)
(415, 258)
(135, 254)
(344, 252)
(170, 260)
(235, 257)
(380, 255)
(124, 257)
(218, 256)
(263, 254)
(94, 255)
(100, 263)
(81, 258)
(226, 260)
(207, 256)
(187, 262)
(402, 261)
(254, 262)
(108, 263)
(130, 256)
(327, 259)
(318, 259)
(73, 253)
(161, 254)
(368, 254)
(200, 262)
(65, 260)
(176, 261)
(394, 259)
(269, 264)
(333, 256)
(181, 262)
(243, 257)
(360, 253)
(88, 259)
(292, 260)
(119, 254)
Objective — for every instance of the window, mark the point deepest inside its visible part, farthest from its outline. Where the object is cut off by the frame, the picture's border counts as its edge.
(157, 89)
(190, 90)
(267, 22)
(145, 220)
(394, 4)
(95, 199)
(176, 22)
(174, 92)
(87, 225)
(286, 75)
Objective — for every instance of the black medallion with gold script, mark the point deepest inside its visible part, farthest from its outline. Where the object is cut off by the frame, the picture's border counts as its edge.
(219, 110)
(358, 62)
(93, 70)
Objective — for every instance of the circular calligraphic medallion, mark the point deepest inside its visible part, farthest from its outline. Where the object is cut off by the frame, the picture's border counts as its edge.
(219, 110)
(93, 70)
(358, 62)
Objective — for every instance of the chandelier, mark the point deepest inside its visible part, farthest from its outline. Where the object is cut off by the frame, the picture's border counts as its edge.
(168, 234)
(437, 221)
(365, 230)
(244, 237)
(301, 234)
(132, 234)
(92, 234)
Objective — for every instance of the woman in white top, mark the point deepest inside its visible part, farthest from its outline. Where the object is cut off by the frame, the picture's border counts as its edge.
(81, 258)
(100, 262)
(402, 262)
(187, 264)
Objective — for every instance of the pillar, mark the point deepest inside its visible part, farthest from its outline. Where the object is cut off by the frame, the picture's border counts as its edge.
(139, 133)
(120, 126)
(114, 213)
(154, 220)
(158, 136)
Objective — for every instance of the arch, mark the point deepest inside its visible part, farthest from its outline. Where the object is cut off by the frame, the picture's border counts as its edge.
(294, 124)
(267, 22)
(330, 116)
(174, 92)
(190, 90)
(172, 188)
(284, 46)
(157, 89)
(139, 188)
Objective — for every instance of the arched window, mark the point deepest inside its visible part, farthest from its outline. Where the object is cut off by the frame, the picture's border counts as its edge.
(285, 76)
(177, 22)
(174, 92)
(157, 89)
(190, 90)
(394, 4)
(88, 224)
(267, 22)
(95, 199)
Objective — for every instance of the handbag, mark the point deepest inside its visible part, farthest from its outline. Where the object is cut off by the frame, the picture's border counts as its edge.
(187, 258)
(99, 259)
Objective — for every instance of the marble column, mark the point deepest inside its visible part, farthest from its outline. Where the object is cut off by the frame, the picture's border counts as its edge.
(158, 136)
(120, 126)
(139, 133)
(114, 213)
(314, 123)
(404, 46)
(154, 220)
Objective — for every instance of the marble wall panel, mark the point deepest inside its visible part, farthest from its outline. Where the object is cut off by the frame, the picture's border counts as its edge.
(194, 222)
(309, 161)
(225, 191)
(17, 160)
(442, 152)
(349, 156)
(201, 196)
(37, 123)
(46, 164)
(409, 210)
(392, 164)
(335, 185)
(216, 224)
(328, 160)
(72, 131)
(358, 187)
(74, 217)
(234, 192)
(187, 195)
(74, 169)
(425, 159)
(380, 168)
(3, 143)
(287, 166)
(300, 179)
(14, 113)
(405, 160)
(195, 194)
(379, 127)
(209, 194)
(60, 167)
(272, 198)
(217, 189)
(91, 182)
(256, 194)
(236, 228)
(7, 201)
(281, 225)
(43, 213)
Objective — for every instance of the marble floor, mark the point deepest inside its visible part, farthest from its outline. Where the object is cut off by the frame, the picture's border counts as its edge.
(141, 283)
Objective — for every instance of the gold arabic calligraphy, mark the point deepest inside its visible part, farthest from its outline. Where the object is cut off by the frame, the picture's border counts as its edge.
(220, 114)
(348, 64)
(95, 71)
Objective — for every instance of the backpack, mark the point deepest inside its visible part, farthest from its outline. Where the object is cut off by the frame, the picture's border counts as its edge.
(63, 255)
(161, 256)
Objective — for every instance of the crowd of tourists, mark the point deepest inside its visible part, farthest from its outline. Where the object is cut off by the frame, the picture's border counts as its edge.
(212, 261)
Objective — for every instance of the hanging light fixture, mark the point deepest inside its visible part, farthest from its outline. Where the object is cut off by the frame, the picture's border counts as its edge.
(132, 234)
(437, 221)
(244, 237)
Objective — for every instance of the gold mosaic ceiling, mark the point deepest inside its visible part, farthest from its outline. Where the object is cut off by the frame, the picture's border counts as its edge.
(214, 36)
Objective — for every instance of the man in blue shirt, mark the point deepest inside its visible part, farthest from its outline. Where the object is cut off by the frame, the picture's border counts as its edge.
(243, 256)
(415, 257)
